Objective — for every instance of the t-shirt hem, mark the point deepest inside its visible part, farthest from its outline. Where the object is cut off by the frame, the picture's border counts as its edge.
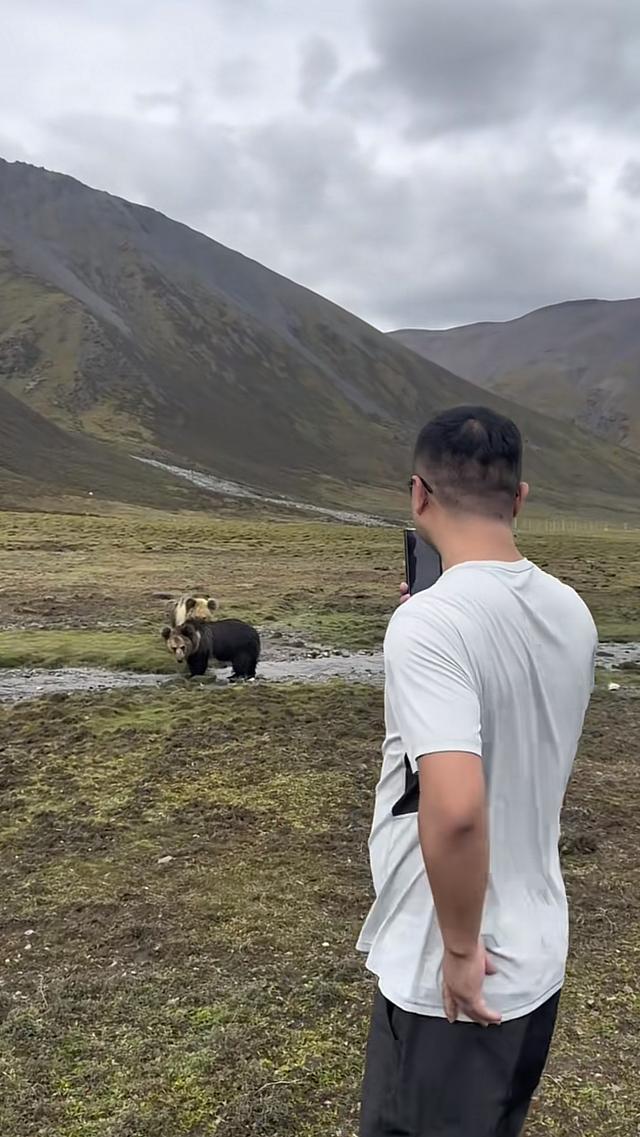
(428, 1011)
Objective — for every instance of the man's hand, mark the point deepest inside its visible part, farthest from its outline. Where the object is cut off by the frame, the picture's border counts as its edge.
(404, 592)
(462, 983)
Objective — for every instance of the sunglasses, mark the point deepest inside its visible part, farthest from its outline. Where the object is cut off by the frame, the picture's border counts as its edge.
(422, 481)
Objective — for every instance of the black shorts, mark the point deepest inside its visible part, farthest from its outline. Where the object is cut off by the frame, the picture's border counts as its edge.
(426, 1077)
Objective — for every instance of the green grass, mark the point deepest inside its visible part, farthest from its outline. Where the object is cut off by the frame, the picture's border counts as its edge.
(628, 676)
(220, 985)
(77, 580)
(220, 993)
(127, 651)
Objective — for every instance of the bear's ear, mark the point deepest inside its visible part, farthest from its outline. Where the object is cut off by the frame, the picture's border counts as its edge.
(189, 604)
(212, 604)
(166, 632)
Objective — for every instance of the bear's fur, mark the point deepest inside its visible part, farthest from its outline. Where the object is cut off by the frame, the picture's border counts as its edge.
(196, 642)
(192, 608)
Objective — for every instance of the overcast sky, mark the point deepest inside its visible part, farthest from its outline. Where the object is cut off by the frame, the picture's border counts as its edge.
(422, 162)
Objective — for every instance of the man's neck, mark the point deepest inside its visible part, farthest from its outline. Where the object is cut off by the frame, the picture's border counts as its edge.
(475, 540)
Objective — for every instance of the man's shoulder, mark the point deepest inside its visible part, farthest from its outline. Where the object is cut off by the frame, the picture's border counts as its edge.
(426, 605)
(565, 593)
(425, 618)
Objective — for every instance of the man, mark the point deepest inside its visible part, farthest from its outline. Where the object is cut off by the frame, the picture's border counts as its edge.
(488, 677)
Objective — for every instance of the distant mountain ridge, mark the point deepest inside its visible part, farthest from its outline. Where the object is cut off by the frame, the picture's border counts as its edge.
(136, 335)
(579, 361)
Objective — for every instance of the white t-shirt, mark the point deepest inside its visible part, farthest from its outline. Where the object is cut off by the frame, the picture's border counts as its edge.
(496, 659)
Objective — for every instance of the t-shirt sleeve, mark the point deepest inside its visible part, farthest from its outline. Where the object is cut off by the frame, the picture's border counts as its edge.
(431, 693)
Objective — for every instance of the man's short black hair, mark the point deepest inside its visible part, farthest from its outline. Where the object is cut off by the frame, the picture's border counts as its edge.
(473, 458)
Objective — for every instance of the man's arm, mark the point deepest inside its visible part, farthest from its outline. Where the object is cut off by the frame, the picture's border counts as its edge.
(434, 697)
(452, 821)
(453, 835)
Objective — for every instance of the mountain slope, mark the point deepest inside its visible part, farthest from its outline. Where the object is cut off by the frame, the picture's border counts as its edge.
(578, 361)
(120, 322)
(123, 325)
(39, 460)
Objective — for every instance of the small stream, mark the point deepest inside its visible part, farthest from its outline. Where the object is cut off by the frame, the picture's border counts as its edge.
(237, 490)
(17, 684)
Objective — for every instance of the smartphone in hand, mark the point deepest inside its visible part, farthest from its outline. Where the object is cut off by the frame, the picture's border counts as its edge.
(422, 562)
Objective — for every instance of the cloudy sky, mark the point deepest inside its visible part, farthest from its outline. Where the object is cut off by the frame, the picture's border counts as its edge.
(423, 162)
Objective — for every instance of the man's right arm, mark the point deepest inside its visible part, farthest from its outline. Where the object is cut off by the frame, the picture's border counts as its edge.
(437, 711)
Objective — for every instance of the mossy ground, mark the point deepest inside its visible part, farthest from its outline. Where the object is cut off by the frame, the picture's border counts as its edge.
(219, 993)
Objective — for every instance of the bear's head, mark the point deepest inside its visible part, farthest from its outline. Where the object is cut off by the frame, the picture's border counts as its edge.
(192, 608)
(182, 641)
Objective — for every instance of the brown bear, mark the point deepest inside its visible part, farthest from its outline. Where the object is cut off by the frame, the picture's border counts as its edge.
(197, 642)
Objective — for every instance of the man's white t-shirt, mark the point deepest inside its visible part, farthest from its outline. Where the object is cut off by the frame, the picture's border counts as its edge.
(496, 659)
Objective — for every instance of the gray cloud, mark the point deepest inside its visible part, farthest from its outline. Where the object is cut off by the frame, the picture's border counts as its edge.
(187, 171)
(448, 68)
(419, 163)
(239, 77)
(461, 65)
(629, 180)
(179, 100)
(319, 65)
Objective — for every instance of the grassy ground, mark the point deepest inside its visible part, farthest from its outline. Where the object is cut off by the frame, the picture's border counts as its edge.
(85, 587)
(219, 993)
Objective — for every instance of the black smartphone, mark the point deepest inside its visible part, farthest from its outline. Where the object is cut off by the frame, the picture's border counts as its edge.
(421, 561)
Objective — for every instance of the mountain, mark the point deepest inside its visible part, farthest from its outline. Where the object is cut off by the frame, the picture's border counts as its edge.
(578, 361)
(127, 330)
(42, 462)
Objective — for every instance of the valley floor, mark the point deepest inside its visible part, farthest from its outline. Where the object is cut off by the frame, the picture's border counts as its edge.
(183, 881)
(184, 874)
(84, 589)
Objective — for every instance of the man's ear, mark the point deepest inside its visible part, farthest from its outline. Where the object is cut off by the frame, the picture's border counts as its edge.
(520, 498)
(419, 498)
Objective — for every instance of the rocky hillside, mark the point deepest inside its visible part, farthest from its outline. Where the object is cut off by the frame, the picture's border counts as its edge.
(125, 328)
(578, 361)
